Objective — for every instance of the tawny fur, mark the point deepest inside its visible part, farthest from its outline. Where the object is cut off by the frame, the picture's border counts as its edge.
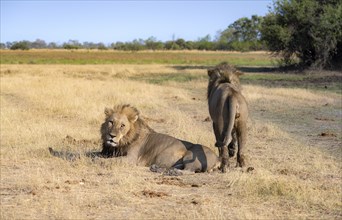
(125, 133)
(229, 112)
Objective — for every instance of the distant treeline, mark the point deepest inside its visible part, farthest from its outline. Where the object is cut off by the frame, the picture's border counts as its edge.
(306, 33)
(243, 35)
(140, 44)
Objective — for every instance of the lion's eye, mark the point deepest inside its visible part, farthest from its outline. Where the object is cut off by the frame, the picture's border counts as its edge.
(122, 126)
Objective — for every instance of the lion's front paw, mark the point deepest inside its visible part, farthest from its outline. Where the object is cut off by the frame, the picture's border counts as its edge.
(223, 168)
(157, 169)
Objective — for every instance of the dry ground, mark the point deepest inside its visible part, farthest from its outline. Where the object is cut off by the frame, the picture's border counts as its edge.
(294, 145)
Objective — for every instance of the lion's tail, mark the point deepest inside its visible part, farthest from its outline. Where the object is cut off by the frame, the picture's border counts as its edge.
(232, 110)
(71, 156)
(64, 155)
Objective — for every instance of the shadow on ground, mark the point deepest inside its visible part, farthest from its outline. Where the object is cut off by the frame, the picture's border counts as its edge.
(243, 68)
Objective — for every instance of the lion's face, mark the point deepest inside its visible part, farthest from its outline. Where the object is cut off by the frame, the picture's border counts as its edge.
(117, 126)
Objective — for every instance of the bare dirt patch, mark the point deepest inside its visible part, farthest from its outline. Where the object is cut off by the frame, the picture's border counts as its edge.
(324, 80)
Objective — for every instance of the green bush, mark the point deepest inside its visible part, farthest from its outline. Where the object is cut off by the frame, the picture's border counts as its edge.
(21, 45)
(306, 29)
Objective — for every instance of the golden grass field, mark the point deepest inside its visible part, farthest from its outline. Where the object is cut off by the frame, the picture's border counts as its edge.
(294, 144)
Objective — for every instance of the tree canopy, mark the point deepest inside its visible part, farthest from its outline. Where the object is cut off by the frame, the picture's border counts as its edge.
(242, 35)
(306, 29)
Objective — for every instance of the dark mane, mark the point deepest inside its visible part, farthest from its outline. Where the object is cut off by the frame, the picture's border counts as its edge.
(227, 74)
(133, 135)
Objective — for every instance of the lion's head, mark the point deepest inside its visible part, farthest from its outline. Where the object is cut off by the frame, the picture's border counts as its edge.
(119, 126)
(225, 73)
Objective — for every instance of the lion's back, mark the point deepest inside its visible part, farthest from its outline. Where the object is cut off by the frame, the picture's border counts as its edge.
(161, 149)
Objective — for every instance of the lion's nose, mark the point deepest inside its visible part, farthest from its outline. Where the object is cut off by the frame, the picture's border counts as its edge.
(112, 135)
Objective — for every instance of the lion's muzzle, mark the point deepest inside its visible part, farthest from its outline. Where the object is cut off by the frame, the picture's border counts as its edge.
(112, 140)
(111, 143)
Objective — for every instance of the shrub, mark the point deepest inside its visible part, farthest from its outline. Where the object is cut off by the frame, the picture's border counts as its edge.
(307, 29)
(21, 45)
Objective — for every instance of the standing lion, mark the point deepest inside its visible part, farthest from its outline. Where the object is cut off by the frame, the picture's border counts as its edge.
(229, 112)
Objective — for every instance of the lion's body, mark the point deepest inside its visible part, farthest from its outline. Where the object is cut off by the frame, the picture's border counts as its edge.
(124, 133)
(229, 112)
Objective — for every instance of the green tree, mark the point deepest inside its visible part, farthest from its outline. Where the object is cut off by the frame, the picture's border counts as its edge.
(171, 45)
(181, 43)
(21, 45)
(118, 46)
(52, 45)
(101, 46)
(89, 45)
(189, 45)
(38, 44)
(242, 35)
(204, 43)
(72, 44)
(136, 45)
(308, 29)
(9, 44)
(153, 44)
(2, 46)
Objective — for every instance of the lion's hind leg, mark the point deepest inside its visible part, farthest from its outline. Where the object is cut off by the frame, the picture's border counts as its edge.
(224, 159)
(242, 137)
(232, 145)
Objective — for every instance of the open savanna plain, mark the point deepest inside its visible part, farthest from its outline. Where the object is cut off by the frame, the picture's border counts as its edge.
(294, 141)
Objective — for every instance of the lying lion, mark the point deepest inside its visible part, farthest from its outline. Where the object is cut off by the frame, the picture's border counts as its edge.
(229, 112)
(125, 133)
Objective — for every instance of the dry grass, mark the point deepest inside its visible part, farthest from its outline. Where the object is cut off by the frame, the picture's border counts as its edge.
(297, 169)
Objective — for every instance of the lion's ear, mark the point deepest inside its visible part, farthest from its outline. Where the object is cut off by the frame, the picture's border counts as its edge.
(108, 111)
(238, 73)
(131, 112)
(133, 115)
(135, 119)
(210, 72)
(213, 72)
